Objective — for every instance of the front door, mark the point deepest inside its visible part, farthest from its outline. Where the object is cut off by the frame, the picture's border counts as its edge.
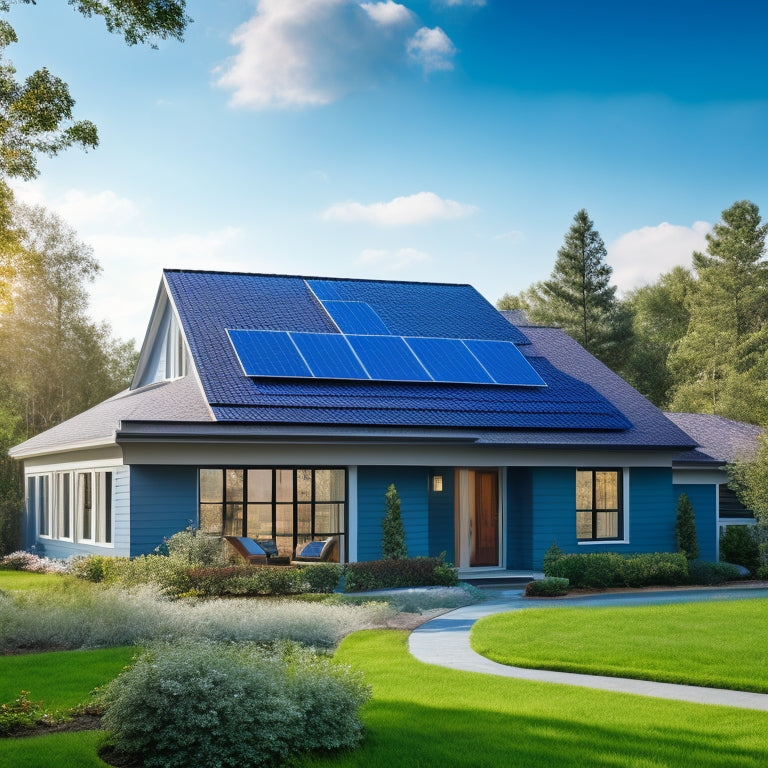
(477, 518)
(485, 526)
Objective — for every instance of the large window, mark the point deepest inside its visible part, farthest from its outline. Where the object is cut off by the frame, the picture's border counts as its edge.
(599, 504)
(73, 506)
(292, 506)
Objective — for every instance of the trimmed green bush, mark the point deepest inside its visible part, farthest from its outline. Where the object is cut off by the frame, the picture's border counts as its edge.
(549, 587)
(551, 556)
(321, 578)
(393, 574)
(393, 532)
(707, 573)
(215, 705)
(739, 544)
(685, 528)
(599, 570)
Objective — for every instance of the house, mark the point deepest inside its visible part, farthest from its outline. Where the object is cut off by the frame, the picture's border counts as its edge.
(282, 407)
(701, 473)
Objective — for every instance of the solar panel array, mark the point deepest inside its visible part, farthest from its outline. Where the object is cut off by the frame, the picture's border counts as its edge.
(287, 354)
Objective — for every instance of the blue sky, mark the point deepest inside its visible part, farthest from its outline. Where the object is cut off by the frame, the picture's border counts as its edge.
(448, 140)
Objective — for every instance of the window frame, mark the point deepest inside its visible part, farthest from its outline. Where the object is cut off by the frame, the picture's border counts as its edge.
(278, 502)
(620, 509)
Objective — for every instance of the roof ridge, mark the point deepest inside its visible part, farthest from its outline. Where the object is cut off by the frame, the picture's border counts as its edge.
(177, 270)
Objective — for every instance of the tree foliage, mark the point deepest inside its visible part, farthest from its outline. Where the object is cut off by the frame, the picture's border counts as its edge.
(719, 363)
(579, 296)
(685, 528)
(393, 533)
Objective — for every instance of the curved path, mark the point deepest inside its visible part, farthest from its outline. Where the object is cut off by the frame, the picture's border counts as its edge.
(444, 641)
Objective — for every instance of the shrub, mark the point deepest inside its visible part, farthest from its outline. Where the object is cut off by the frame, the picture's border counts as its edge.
(685, 528)
(20, 715)
(707, 573)
(321, 578)
(213, 705)
(98, 568)
(26, 561)
(739, 544)
(393, 533)
(195, 548)
(549, 587)
(551, 556)
(79, 615)
(599, 570)
(393, 574)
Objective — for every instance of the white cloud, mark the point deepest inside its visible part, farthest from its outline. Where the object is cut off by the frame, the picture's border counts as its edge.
(132, 268)
(457, 3)
(81, 209)
(420, 208)
(304, 53)
(640, 256)
(432, 49)
(388, 12)
(393, 261)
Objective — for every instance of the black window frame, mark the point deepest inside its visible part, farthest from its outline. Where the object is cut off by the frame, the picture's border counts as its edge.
(595, 510)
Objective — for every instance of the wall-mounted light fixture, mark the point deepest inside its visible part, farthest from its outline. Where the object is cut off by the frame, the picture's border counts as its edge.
(437, 483)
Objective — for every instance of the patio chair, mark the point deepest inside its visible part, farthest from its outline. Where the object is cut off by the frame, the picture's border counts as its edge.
(317, 551)
(248, 549)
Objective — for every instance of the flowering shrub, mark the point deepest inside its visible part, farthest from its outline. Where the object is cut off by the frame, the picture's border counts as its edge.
(214, 705)
(26, 561)
(77, 615)
(20, 715)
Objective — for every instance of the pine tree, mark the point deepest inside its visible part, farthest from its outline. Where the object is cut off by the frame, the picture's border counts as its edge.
(578, 296)
(685, 528)
(719, 364)
(393, 539)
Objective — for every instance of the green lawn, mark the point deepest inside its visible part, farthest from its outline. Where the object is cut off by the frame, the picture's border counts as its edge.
(62, 679)
(423, 716)
(14, 580)
(717, 644)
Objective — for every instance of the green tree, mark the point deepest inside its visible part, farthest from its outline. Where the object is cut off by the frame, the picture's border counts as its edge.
(719, 364)
(393, 539)
(579, 297)
(660, 318)
(36, 114)
(54, 361)
(685, 528)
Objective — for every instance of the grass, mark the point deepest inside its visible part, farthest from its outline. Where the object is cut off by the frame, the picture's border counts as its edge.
(422, 716)
(61, 679)
(716, 644)
(24, 580)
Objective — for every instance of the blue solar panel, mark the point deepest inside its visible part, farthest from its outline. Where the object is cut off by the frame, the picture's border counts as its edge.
(355, 317)
(268, 353)
(329, 355)
(504, 361)
(325, 290)
(388, 358)
(449, 360)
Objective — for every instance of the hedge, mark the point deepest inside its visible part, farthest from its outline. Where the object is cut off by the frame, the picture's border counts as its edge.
(393, 574)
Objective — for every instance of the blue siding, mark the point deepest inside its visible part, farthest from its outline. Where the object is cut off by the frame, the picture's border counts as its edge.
(412, 486)
(441, 515)
(652, 513)
(519, 519)
(704, 501)
(163, 501)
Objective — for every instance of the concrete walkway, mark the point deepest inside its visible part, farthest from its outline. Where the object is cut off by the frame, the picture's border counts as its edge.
(444, 641)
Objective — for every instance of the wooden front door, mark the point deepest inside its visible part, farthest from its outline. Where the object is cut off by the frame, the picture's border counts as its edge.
(485, 520)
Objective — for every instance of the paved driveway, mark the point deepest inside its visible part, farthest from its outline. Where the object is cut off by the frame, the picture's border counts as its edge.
(444, 641)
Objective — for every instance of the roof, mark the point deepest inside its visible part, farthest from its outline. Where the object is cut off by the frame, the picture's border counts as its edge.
(178, 400)
(720, 440)
(582, 404)
(286, 303)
